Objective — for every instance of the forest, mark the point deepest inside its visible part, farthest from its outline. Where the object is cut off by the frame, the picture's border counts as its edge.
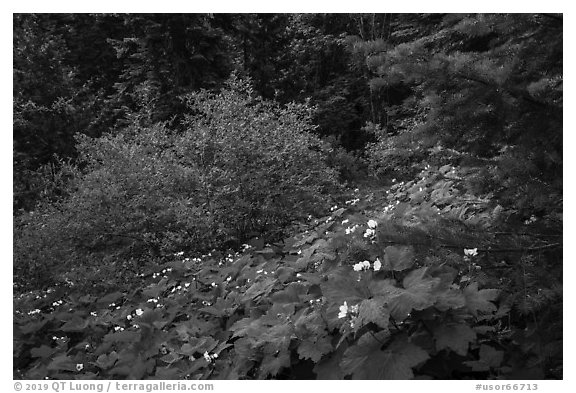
(288, 196)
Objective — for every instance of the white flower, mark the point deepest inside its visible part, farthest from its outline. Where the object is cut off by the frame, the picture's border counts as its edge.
(369, 232)
(128, 317)
(372, 224)
(354, 309)
(377, 264)
(139, 311)
(179, 254)
(343, 310)
(364, 265)
(471, 252)
(345, 221)
(207, 357)
(79, 366)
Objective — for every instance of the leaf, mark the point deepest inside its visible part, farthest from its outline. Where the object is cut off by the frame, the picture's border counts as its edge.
(168, 373)
(200, 345)
(111, 297)
(398, 258)
(306, 239)
(489, 358)
(244, 349)
(315, 350)
(341, 287)
(170, 358)
(292, 294)
(62, 363)
(260, 288)
(126, 336)
(43, 352)
(153, 291)
(384, 288)
(329, 367)
(356, 356)
(445, 169)
(133, 368)
(312, 278)
(33, 326)
(450, 299)
(76, 324)
(310, 324)
(373, 310)
(338, 212)
(480, 301)
(284, 273)
(272, 364)
(366, 360)
(418, 294)
(152, 318)
(106, 361)
(277, 337)
(456, 337)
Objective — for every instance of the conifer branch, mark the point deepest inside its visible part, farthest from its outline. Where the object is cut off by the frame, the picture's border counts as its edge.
(485, 250)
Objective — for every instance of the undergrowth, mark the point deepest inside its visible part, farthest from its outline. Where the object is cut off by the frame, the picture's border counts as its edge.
(419, 281)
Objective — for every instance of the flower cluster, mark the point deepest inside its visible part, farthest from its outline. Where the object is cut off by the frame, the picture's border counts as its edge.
(210, 358)
(371, 230)
(365, 265)
(470, 252)
(345, 310)
(350, 230)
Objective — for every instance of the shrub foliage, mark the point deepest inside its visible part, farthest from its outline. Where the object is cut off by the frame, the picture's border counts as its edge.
(241, 167)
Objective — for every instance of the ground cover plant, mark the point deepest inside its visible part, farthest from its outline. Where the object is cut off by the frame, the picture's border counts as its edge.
(319, 196)
(342, 299)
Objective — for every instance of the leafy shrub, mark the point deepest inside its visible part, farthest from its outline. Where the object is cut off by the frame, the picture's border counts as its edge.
(271, 312)
(241, 167)
(350, 165)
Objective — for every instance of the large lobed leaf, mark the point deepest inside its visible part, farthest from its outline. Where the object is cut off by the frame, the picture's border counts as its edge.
(366, 359)
(398, 258)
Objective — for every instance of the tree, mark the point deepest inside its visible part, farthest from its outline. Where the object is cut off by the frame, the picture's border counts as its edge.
(486, 85)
